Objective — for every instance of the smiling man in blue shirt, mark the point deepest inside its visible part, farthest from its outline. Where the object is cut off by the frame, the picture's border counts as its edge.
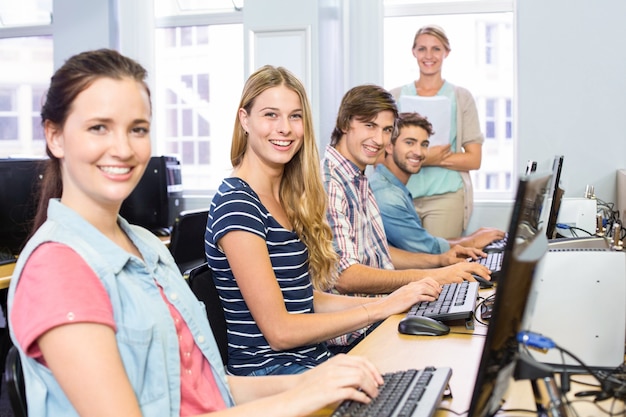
(403, 157)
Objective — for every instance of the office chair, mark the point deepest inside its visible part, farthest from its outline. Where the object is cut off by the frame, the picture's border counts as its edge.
(201, 282)
(187, 239)
(14, 379)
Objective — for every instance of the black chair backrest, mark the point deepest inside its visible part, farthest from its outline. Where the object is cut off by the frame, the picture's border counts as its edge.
(201, 282)
(187, 239)
(14, 379)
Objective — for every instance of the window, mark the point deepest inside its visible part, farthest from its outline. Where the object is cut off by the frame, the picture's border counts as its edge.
(27, 62)
(490, 118)
(490, 35)
(481, 60)
(8, 114)
(508, 122)
(497, 116)
(492, 181)
(197, 90)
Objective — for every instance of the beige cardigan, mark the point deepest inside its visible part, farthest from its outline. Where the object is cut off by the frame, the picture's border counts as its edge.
(468, 131)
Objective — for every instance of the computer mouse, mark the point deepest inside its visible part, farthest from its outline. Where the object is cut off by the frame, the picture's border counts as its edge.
(422, 326)
(483, 282)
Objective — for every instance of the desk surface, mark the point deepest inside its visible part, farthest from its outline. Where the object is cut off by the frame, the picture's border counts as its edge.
(6, 271)
(461, 350)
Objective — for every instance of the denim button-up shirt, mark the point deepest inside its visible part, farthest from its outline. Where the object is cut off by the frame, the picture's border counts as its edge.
(403, 225)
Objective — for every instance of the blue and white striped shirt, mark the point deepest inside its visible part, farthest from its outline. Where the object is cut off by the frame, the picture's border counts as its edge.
(237, 207)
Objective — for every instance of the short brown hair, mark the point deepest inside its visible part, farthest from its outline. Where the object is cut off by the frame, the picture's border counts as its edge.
(363, 103)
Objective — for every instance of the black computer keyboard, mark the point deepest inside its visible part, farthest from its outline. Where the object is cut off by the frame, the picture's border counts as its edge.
(409, 393)
(493, 261)
(456, 301)
(497, 245)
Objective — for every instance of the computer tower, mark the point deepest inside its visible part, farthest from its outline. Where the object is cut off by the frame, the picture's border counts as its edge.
(158, 198)
(579, 213)
(578, 299)
(20, 179)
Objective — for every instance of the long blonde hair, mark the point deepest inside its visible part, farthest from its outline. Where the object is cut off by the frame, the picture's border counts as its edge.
(302, 193)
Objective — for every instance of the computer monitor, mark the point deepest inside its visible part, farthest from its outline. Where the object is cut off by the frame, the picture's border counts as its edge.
(557, 195)
(531, 166)
(19, 191)
(157, 199)
(526, 245)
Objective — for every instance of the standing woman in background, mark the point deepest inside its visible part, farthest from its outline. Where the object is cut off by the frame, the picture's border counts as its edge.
(442, 191)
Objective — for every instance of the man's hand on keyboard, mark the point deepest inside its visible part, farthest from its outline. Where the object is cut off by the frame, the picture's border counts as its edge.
(458, 254)
(480, 238)
(462, 271)
(485, 235)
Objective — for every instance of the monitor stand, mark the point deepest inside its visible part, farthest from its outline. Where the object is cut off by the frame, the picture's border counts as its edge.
(545, 389)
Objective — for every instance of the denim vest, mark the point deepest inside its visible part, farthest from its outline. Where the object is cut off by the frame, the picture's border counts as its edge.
(146, 335)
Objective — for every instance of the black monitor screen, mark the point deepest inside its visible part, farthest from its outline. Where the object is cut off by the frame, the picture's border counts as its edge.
(557, 195)
(156, 201)
(19, 191)
(526, 244)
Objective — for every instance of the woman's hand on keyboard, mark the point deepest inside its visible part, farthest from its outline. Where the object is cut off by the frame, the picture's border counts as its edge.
(342, 377)
(399, 301)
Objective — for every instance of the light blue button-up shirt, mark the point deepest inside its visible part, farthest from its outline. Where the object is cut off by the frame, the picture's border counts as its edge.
(403, 225)
(146, 335)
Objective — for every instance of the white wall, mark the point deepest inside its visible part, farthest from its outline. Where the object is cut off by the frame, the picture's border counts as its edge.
(82, 25)
(572, 89)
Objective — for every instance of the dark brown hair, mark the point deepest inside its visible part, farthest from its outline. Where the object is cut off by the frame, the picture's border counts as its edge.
(75, 76)
(411, 119)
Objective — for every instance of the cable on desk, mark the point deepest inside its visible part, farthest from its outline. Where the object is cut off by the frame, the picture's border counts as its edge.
(611, 386)
(573, 229)
(478, 307)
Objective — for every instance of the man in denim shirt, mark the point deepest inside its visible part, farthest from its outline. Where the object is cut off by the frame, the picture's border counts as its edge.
(403, 157)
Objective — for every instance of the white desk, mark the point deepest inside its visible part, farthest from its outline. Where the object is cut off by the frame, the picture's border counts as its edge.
(392, 351)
